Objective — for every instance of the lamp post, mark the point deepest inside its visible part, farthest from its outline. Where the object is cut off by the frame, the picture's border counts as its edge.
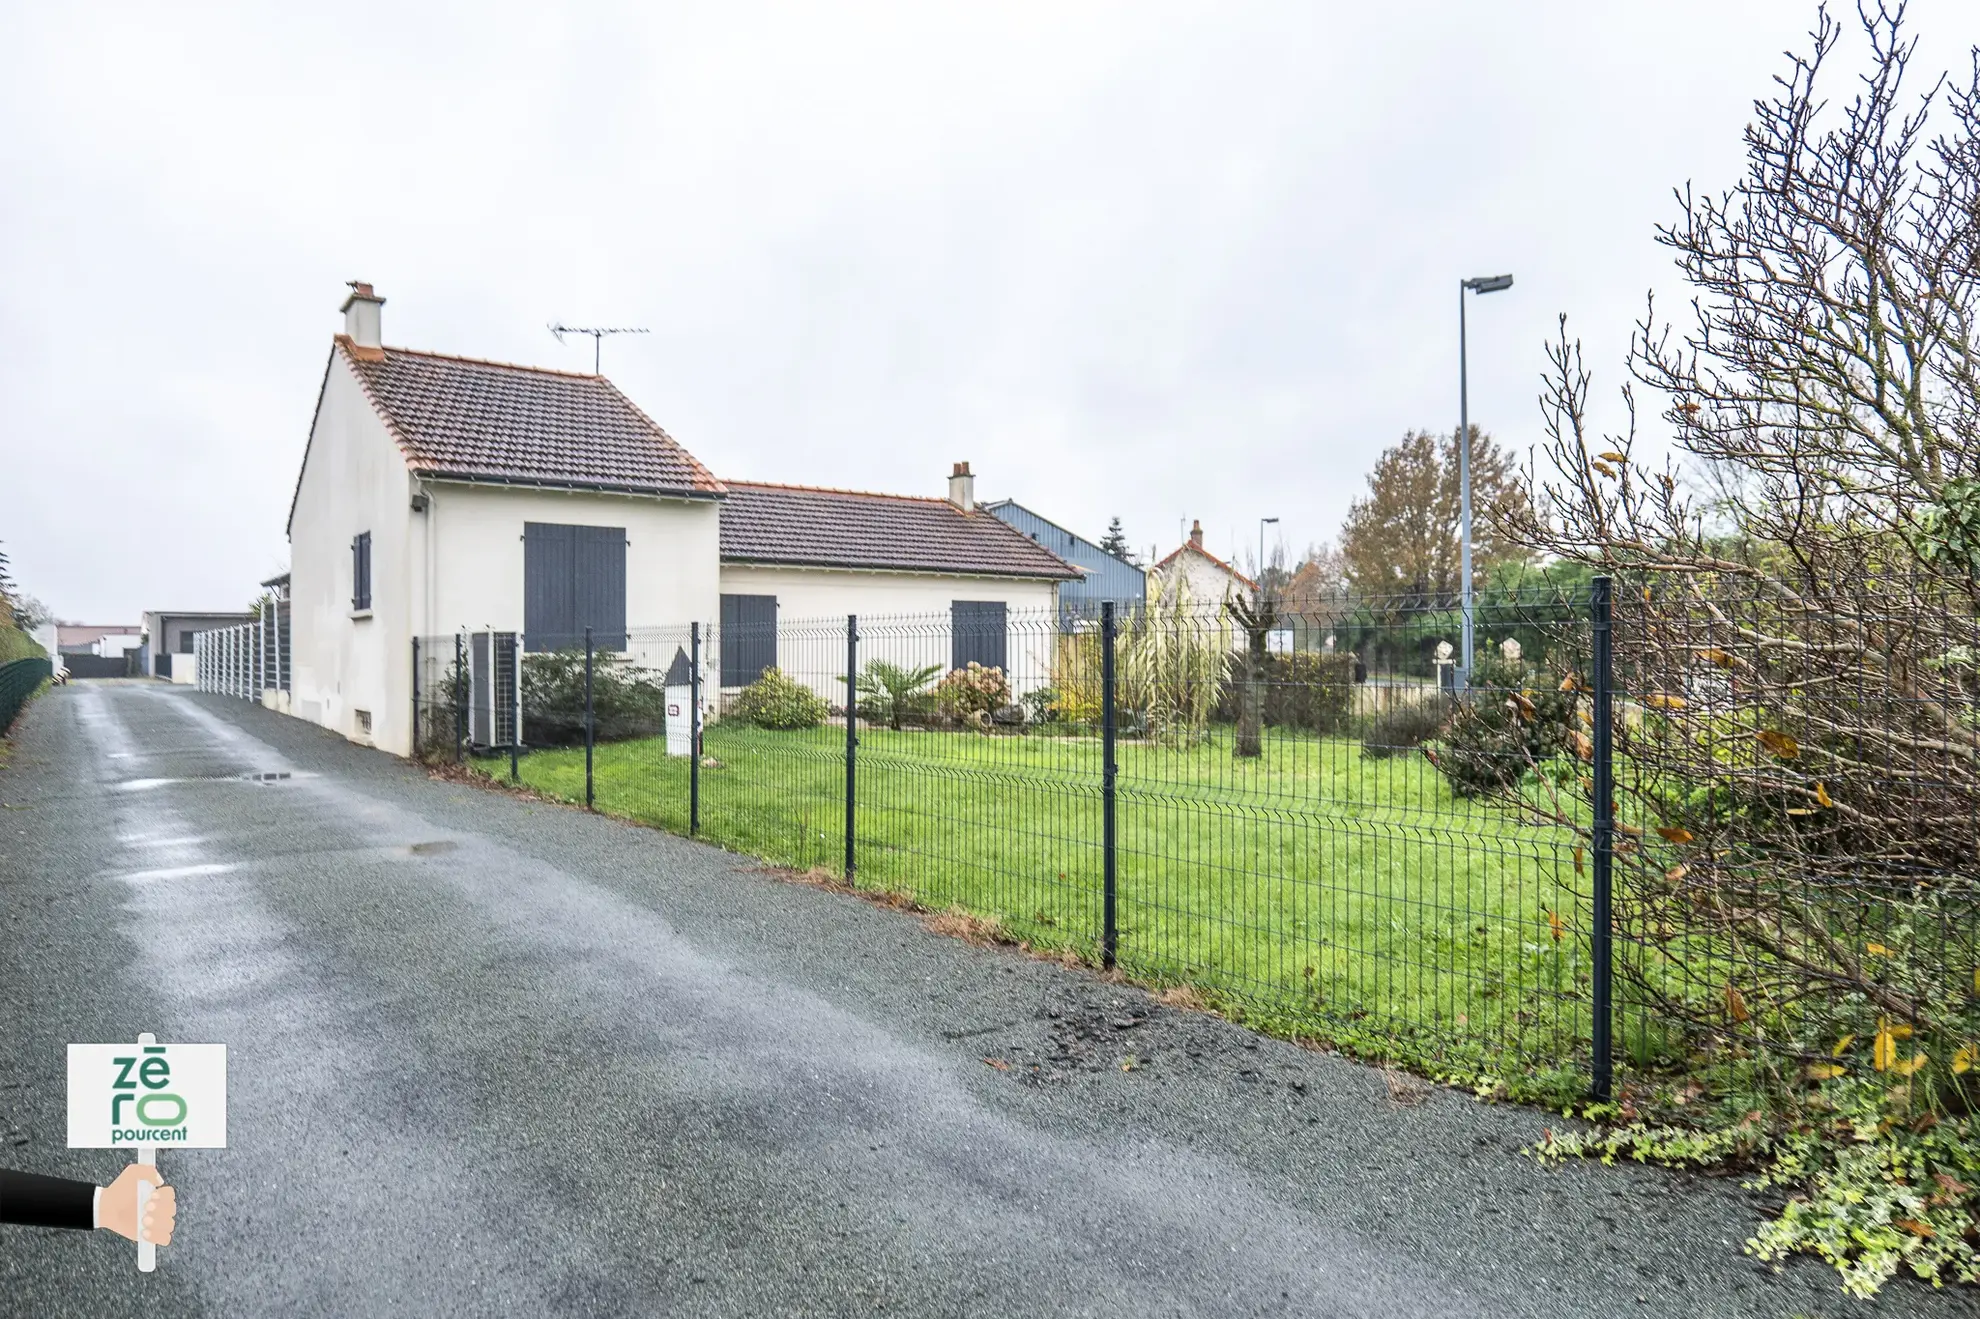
(1476, 284)
(1261, 554)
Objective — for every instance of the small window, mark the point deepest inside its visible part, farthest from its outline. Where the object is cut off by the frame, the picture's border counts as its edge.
(361, 571)
(185, 643)
(363, 721)
(978, 632)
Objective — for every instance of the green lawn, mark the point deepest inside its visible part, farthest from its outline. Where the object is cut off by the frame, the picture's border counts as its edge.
(1322, 890)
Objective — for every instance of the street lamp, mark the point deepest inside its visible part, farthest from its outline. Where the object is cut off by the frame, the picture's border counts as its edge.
(1477, 284)
(1261, 554)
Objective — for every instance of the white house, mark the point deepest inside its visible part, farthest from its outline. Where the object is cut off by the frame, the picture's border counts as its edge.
(441, 494)
(933, 581)
(1211, 580)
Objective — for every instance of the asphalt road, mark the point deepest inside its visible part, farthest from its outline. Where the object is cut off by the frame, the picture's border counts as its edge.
(496, 1057)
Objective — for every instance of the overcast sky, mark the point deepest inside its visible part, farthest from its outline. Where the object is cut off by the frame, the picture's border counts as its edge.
(1156, 260)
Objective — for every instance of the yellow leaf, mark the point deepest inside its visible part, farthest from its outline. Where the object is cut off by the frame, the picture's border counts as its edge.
(1841, 1045)
(1672, 834)
(1554, 920)
(1963, 1058)
(1675, 873)
(1663, 701)
(1568, 683)
(1825, 1071)
(1736, 1003)
(1779, 743)
(1822, 796)
(1629, 830)
(1901, 1031)
(1601, 467)
(1580, 870)
(1613, 456)
(1884, 1052)
(1914, 1227)
(1877, 948)
(1714, 655)
(1583, 746)
(1524, 705)
(1800, 810)
(1909, 1068)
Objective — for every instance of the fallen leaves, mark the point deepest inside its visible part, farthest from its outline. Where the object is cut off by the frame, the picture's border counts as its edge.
(1736, 1003)
(1779, 743)
(998, 1063)
(1674, 834)
(1554, 923)
(1963, 1059)
(1822, 797)
(1663, 701)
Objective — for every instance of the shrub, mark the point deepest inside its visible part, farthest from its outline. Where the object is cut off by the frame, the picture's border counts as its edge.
(1076, 679)
(625, 703)
(973, 691)
(1307, 690)
(1170, 664)
(777, 701)
(1511, 720)
(891, 693)
(1401, 728)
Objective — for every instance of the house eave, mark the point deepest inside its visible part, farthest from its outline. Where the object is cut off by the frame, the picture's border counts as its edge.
(894, 570)
(496, 481)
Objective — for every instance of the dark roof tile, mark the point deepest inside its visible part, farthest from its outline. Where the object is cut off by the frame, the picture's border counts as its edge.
(805, 526)
(464, 418)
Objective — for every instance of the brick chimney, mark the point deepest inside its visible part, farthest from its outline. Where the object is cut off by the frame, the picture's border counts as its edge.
(1196, 534)
(962, 488)
(361, 318)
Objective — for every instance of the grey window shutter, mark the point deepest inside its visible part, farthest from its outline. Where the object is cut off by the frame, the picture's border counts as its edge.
(749, 638)
(601, 586)
(550, 587)
(977, 630)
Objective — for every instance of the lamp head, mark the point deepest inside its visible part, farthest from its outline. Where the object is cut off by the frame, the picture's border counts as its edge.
(1488, 283)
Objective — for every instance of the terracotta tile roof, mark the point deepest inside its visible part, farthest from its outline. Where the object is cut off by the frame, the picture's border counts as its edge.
(812, 527)
(1190, 547)
(523, 425)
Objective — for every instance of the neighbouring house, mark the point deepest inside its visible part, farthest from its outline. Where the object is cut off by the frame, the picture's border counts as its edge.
(442, 494)
(1210, 579)
(933, 581)
(168, 647)
(1104, 577)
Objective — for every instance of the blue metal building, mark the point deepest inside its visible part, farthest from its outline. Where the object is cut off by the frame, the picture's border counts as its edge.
(1107, 578)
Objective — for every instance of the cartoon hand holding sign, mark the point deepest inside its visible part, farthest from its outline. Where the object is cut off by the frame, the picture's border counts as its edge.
(139, 1097)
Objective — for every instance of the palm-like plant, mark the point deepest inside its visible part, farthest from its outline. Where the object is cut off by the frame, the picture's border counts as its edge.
(889, 692)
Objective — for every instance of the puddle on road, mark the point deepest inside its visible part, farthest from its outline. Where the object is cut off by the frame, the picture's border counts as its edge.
(256, 777)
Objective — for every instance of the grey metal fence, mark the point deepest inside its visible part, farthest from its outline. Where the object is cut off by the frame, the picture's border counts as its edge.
(1529, 869)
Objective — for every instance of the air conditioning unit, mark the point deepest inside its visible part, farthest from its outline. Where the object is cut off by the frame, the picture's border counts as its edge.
(494, 690)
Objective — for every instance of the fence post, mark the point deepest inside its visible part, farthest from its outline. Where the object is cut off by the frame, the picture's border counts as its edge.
(458, 688)
(1604, 831)
(415, 691)
(1109, 930)
(589, 735)
(852, 732)
(694, 729)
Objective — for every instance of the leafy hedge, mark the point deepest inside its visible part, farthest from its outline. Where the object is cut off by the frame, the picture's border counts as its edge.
(624, 703)
(1308, 690)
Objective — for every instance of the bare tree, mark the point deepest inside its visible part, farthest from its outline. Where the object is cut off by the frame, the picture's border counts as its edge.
(1797, 615)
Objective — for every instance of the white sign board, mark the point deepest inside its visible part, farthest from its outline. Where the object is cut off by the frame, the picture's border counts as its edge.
(680, 721)
(126, 1096)
(1279, 641)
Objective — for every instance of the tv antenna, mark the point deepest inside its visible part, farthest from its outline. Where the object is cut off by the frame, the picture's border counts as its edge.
(597, 333)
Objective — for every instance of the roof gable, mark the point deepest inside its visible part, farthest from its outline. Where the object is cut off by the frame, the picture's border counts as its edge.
(1191, 547)
(807, 526)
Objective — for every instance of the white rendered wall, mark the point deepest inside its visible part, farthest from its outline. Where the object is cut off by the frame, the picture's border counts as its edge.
(354, 479)
(904, 618)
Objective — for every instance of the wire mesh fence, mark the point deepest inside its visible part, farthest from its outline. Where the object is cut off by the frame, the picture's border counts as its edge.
(1319, 815)
(19, 680)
